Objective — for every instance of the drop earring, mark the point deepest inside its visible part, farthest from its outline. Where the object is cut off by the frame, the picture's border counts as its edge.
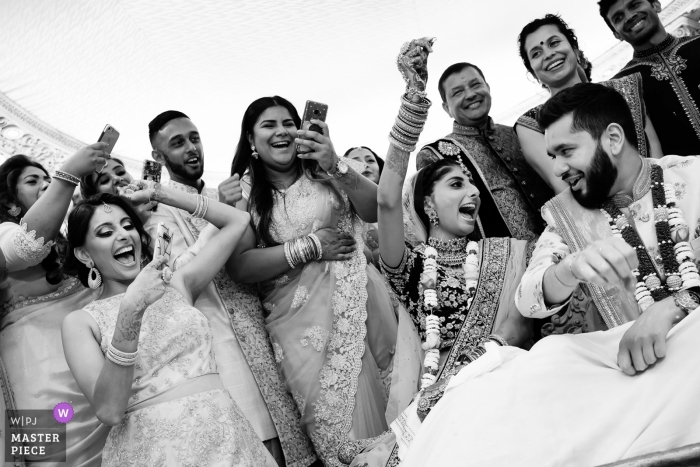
(14, 211)
(94, 277)
(432, 215)
(254, 153)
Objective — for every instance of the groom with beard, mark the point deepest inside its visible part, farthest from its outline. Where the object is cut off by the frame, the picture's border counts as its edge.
(242, 349)
(616, 231)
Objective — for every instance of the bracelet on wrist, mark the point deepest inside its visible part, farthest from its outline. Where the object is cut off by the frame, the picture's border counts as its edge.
(120, 358)
(556, 276)
(66, 177)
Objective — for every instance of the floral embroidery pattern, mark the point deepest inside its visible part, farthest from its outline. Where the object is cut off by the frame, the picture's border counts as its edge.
(29, 248)
(301, 296)
(282, 280)
(301, 402)
(315, 336)
(448, 149)
(279, 352)
(675, 65)
(679, 189)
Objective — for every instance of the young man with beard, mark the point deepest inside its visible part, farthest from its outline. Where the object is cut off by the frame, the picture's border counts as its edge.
(616, 230)
(511, 191)
(670, 70)
(244, 356)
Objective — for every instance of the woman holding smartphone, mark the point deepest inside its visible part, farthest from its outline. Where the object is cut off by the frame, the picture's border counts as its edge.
(329, 316)
(141, 353)
(36, 296)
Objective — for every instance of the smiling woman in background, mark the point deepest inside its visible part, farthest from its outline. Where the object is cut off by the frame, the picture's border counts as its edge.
(36, 296)
(550, 51)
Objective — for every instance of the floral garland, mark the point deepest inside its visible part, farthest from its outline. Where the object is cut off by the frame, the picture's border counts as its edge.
(428, 284)
(678, 260)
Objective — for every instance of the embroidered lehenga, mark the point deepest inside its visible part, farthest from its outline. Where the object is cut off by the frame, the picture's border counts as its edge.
(179, 413)
(463, 328)
(334, 328)
(34, 373)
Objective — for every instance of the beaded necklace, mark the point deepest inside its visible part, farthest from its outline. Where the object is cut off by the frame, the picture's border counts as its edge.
(678, 259)
(450, 251)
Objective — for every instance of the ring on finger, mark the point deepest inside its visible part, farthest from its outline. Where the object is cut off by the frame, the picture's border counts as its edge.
(166, 275)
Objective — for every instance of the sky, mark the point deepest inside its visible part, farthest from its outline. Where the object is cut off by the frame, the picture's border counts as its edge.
(80, 64)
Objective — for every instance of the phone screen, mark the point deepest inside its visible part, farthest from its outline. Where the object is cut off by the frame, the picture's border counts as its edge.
(151, 171)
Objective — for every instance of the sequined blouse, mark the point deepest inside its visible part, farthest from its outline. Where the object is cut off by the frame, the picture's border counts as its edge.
(452, 296)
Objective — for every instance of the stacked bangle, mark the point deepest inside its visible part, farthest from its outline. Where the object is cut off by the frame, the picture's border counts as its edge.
(66, 177)
(498, 340)
(410, 122)
(303, 249)
(121, 358)
(202, 206)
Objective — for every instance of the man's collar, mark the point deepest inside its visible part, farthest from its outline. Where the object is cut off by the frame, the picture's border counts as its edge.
(659, 48)
(641, 187)
(464, 130)
(186, 188)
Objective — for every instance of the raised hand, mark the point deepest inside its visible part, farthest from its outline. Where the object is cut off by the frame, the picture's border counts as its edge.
(336, 246)
(91, 158)
(321, 146)
(149, 285)
(230, 191)
(413, 63)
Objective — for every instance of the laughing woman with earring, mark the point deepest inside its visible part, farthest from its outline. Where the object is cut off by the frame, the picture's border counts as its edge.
(550, 51)
(36, 296)
(329, 315)
(142, 353)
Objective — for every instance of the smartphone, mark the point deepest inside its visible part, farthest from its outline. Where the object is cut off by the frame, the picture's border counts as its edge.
(164, 242)
(109, 135)
(314, 110)
(151, 171)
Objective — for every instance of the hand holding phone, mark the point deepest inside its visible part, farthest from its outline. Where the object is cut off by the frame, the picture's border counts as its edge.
(109, 135)
(163, 242)
(152, 170)
(313, 110)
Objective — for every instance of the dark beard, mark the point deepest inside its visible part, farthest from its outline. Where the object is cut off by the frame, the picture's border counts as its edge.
(600, 178)
(183, 171)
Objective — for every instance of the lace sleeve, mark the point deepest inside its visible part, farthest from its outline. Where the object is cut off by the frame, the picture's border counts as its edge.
(21, 247)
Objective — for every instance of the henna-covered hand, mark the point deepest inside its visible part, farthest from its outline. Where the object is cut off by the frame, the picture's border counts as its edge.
(413, 62)
(147, 288)
(336, 246)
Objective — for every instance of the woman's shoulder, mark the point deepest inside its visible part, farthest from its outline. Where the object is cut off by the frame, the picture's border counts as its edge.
(529, 120)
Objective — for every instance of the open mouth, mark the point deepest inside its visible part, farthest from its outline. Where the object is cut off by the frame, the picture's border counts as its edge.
(574, 181)
(555, 65)
(466, 211)
(125, 255)
(194, 160)
(281, 144)
(474, 105)
(636, 26)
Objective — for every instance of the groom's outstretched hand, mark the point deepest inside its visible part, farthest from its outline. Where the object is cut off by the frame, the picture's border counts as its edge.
(645, 341)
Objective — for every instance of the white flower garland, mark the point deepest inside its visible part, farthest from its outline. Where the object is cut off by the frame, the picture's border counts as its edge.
(428, 284)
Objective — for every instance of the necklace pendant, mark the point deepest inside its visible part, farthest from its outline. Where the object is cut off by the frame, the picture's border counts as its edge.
(644, 217)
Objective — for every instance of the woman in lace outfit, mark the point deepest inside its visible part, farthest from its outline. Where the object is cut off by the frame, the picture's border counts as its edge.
(469, 316)
(550, 51)
(331, 320)
(36, 296)
(373, 170)
(141, 353)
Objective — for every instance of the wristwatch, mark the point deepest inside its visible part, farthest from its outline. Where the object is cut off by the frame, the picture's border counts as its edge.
(687, 300)
(340, 168)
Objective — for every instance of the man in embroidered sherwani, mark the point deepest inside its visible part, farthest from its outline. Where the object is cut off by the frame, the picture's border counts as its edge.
(244, 356)
(670, 70)
(589, 131)
(511, 191)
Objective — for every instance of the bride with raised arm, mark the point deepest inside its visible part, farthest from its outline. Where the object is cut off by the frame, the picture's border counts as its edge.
(459, 291)
(142, 354)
